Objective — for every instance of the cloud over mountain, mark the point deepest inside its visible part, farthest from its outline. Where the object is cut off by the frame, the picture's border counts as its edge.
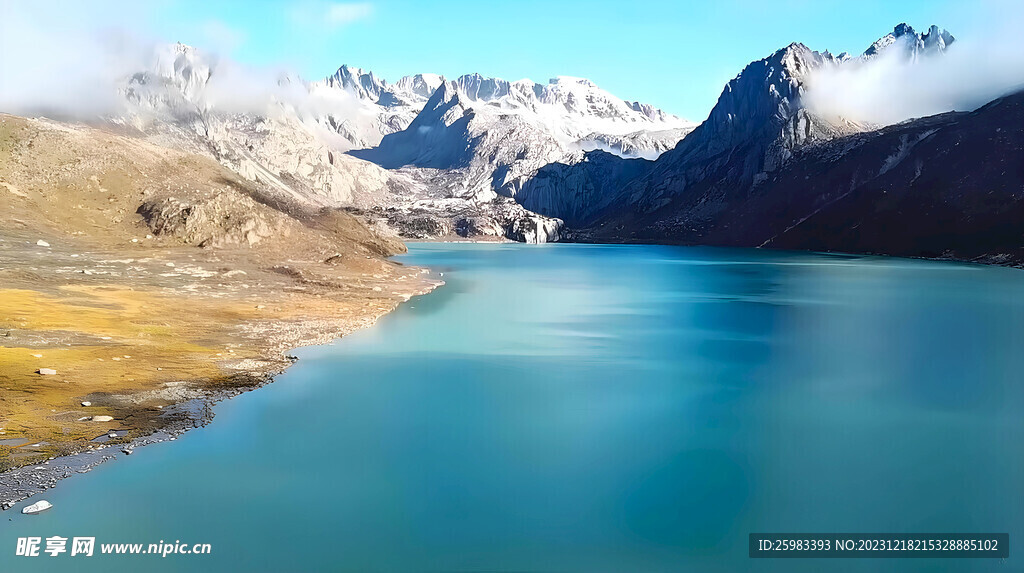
(903, 80)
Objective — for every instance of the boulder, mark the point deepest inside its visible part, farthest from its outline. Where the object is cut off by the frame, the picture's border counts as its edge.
(47, 371)
(37, 507)
(102, 418)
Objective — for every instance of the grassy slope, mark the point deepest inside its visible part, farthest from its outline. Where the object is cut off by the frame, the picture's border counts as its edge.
(134, 315)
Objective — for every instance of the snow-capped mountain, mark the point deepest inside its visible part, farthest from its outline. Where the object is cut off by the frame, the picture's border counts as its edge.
(489, 136)
(909, 43)
(569, 109)
(382, 108)
(465, 153)
(486, 156)
(639, 144)
(259, 127)
(278, 132)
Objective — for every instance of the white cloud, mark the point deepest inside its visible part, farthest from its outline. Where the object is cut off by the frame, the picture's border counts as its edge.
(891, 88)
(315, 18)
(346, 13)
(65, 58)
(985, 62)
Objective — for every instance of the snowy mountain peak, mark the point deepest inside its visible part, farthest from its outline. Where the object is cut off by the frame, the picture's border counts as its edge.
(936, 39)
(480, 88)
(446, 91)
(651, 112)
(419, 85)
(362, 83)
(175, 80)
(797, 59)
(184, 67)
(562, 95)
(445, 99)
(761, 109)
(911, 44)
(903, 29)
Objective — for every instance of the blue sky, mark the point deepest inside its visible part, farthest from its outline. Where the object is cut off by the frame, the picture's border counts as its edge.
(676, 55)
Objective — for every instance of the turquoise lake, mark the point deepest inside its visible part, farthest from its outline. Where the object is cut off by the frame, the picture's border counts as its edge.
(598, 408)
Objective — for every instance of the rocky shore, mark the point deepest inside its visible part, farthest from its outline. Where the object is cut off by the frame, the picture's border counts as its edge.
(174, 420)
(27, 481)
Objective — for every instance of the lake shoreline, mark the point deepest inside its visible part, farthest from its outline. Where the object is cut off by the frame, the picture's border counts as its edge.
(995, 260)
(136, 278)
(24, 482)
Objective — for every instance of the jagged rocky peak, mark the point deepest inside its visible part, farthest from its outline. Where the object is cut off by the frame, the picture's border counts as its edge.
(358, 81)
(779, 76)
(365, 85)
(563, 95)
(936, 39)
(445, 105)
(798, 59)
(651, 112)
(581, 97)
(911, 44)
(180, 65)
(480, 88)
(174, 80)
(767, 91)
(420, 85)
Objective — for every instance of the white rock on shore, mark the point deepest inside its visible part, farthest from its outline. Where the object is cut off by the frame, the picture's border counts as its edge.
(102, 418)
(47, 372)
(37, 507)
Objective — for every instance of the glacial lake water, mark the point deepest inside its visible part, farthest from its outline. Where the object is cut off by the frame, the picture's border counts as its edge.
(598, 408)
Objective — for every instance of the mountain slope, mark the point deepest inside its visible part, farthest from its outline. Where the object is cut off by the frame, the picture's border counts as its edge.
(581, 187)
(754, 128)
(467, 140)
(761, 120)
(493, 134)
(282, 140)
(453, 133)
(145, 277)
(381, 108)
(764, 171)
(946, 186)
(189, 101)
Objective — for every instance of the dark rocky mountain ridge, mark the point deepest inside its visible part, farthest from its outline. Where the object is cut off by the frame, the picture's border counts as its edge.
(946, 186)
(764, 170)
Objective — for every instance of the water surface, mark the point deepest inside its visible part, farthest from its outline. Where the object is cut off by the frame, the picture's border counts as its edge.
(599, 408)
